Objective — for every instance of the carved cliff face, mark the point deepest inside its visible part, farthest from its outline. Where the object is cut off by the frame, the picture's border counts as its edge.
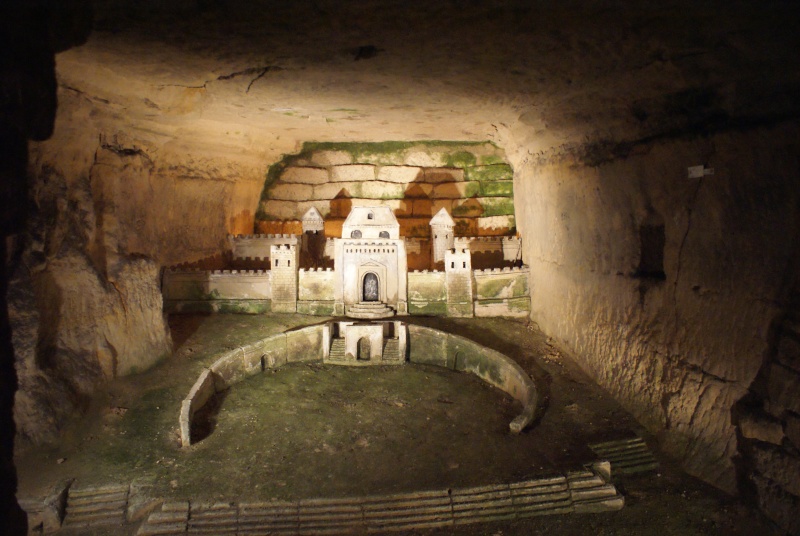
(169, 120)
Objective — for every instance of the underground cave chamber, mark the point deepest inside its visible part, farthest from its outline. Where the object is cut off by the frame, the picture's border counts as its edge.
(633, 170)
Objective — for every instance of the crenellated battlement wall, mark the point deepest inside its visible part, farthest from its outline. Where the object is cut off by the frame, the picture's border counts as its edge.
(427, 294)
(316, 291)
(258, 245)
(502, 292)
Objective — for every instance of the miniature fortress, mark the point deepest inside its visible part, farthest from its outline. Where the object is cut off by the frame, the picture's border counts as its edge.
(362, 274)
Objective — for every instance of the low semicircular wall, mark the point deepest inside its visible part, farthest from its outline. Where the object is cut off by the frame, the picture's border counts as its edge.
(426, 346)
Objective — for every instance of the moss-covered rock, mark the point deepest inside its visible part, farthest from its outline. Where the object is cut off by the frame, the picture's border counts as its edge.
(497, 206)
(427, 308)
(496, 188)
(497, 172)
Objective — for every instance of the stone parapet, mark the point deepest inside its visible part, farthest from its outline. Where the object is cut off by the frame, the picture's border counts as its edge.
(258, 245)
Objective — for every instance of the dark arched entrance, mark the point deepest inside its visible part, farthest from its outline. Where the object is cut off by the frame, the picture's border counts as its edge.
(370, 288)
(364, 349)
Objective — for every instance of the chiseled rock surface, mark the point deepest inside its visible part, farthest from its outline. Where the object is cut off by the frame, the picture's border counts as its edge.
(678, 352)
(169, 120)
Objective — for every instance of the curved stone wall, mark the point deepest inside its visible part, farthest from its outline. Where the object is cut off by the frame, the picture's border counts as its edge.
(426, 346)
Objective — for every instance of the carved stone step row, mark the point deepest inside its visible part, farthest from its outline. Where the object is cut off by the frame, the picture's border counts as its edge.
(96, 506)
(337, 351)
(576, 492)
(628, 456)
(369, 310)
(391, 349)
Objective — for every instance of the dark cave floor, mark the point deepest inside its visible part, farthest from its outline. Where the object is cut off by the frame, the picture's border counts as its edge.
(313, 430)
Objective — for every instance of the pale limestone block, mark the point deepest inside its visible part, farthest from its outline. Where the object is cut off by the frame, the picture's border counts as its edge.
(496, 222)
(227, 369)
(304, 344)
(305, 175)
(382, 190)
(495, 309)
(335, 189)
(425, 159)
(281, 210)
(399, 174)
(316, 285)
(331, 158)
(393, 204)
(185, 422)
(291, 192)
(352, 173)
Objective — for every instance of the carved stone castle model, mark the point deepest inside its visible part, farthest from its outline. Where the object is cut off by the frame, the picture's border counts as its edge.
(362, 274)
(371, 230)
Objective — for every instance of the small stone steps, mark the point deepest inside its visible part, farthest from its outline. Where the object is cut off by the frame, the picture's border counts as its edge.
(369, 310)
(337, 351)
(627, 456)
(96, 506)
(172, 518)
(583, 491)
(391, 350)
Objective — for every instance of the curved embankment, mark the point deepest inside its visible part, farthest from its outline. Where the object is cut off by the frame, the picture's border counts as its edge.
(425, 346)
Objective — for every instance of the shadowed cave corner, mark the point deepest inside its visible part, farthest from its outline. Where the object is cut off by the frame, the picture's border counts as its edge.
(32, 33)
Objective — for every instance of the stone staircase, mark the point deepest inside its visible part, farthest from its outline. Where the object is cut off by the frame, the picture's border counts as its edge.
(583, 491)
(369, 310)
(337, 350)
(629, 456)
(96, 506)
(391, 350)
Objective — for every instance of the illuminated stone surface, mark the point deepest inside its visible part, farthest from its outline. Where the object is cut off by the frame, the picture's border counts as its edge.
(168, 123)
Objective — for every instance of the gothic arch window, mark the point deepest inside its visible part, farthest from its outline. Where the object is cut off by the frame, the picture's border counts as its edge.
(370, 216)
(384, 234)
(355, 234)
(370, 288)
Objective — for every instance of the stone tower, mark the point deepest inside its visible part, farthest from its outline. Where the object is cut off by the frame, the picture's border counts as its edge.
(312, 221)
(458, 279)
(285, 260)
(441, 234)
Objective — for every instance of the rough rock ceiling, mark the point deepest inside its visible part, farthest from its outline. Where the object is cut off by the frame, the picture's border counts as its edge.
(259, 77)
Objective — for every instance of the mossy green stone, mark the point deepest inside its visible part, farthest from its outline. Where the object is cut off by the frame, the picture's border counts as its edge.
(472, 189)
(491, 159)
(496, 188)
(428, 308)
(467, 210)
(498, 172)
(460, 159)
(314, 309)
(516, 285)
(497, 206)
(520, 304)
(250, 307)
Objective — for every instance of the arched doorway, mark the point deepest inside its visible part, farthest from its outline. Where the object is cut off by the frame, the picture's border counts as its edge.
(364, 349)
(370, 288)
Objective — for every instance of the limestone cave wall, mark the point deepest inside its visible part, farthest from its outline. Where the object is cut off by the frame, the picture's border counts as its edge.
(672, 292)
(680, 347)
